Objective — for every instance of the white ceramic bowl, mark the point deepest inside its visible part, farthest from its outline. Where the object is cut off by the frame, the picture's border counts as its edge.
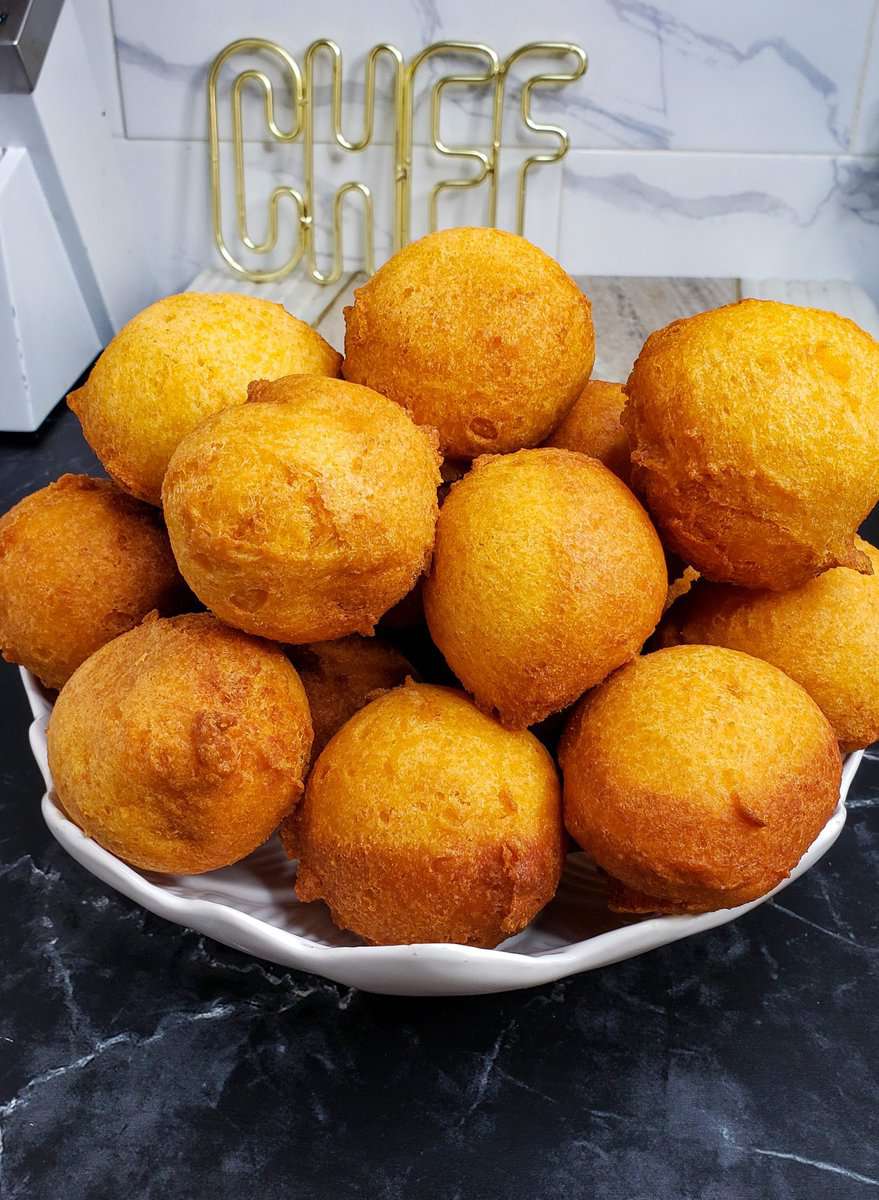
(252, 907)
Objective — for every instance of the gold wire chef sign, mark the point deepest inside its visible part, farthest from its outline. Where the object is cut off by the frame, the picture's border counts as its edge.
(489, 72)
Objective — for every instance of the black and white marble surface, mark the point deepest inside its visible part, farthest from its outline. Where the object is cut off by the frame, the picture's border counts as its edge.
(141, 1060)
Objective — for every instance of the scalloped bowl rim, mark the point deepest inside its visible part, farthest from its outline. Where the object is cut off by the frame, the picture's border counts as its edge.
(423, 969)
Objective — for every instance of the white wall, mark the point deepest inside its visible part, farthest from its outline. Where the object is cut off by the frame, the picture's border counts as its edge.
(708, 138)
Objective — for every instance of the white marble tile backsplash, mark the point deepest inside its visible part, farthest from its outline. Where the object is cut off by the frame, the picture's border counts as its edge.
(758, 75)
(707, 139)
(791, 216)
(95, 20)
(171, 183)
(798, 217)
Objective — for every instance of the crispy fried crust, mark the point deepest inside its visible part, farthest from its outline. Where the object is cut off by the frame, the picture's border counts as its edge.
(592, 426)
(305, 514)
(547, 575)
(177, 362)
(824, 634)
(425, 821)
(475, 332)
(80, 563)
(697, 777)
(753, 433)
(181, 745)
(341, 677)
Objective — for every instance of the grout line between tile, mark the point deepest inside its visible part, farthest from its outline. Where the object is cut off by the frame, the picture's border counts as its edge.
(118, 72)
(611, 152)
(642, 152)
(857, 110)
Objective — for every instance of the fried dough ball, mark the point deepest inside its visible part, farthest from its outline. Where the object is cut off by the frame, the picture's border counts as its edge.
(755, 439)
(80, 563)
(546, 575)
(179, 361)
(592, 426)
(824, 634)
(181, 745)
(305, 514)
(697, 777)
(477, 333)
(340, 677)
(425, 821)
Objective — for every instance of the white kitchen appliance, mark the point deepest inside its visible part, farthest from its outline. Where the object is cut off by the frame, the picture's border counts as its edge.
(73, 265)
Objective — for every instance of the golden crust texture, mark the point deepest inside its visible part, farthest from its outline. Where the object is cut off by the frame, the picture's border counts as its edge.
(341, 677)
(80, 563)
(592, 426)
(425, 821)
(476, 332)
(305, 514)
(697, 777)
(546, 576)
(824, 634)
(179, 361)
(755, 439)
(181, 745)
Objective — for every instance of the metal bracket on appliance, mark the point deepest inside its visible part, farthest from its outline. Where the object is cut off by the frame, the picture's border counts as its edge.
(26, 28)
(491, 73)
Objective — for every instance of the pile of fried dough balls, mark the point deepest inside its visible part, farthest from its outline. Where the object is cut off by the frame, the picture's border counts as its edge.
(459, 480)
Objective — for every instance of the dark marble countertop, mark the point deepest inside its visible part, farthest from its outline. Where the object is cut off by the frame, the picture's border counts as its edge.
(141, 1060)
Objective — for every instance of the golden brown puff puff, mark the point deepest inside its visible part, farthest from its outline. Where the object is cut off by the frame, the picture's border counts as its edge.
(824, 634)
(697, 777)
(341, 677)
(305, 514)
(80, 563)
(425, 821)
(592, 426)
(476, 332)
(547, 574)
(181, 745)
(755, 440)
(177, 362)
